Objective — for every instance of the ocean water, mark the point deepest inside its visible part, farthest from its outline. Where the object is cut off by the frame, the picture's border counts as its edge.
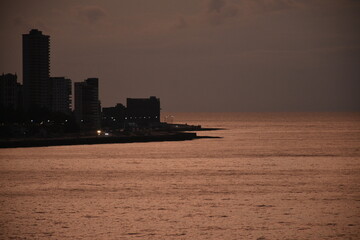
(270, 176)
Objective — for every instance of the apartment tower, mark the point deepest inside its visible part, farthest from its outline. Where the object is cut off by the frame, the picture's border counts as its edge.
(36, 70)
(87, 104)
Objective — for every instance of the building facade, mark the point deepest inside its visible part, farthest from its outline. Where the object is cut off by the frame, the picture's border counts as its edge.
(143, 111)
(87, 104)
(60, 95)
(113, 117)
(36, 70)
(10, 92)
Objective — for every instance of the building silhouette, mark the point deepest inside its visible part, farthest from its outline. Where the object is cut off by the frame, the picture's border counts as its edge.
(87, 104)
(36, 70)
(60, 95)
(143, 111)
(113, 117)
(10, 92)
(41, 98)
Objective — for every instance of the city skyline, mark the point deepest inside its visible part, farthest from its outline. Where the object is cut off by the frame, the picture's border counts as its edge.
(180, 119)
(43, 99)
(206, 56)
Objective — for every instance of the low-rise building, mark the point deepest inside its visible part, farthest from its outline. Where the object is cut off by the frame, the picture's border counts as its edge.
(143, 111)
(10, 92)
(113, 117)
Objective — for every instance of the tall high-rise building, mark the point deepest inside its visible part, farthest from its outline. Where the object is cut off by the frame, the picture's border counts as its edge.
(36, 70)
(60, 94)
(87, 104)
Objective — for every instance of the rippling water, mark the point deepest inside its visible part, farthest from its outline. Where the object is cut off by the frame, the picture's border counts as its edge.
(271, 176)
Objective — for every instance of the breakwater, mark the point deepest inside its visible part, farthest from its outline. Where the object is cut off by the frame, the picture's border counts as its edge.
(44, 142)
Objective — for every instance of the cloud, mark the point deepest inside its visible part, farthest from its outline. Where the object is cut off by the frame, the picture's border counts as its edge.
(216, 5)
(276, 5)
(222, 11)
(218, 11)
(92, 14)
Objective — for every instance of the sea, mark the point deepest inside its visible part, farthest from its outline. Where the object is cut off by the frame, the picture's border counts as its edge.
(267, 176)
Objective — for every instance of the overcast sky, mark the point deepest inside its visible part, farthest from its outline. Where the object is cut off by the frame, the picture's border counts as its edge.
(199, 55)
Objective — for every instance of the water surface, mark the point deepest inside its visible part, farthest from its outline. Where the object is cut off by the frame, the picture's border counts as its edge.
(271, 176)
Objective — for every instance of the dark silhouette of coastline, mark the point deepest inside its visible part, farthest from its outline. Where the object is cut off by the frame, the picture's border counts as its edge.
(88, 140)
(38, 112)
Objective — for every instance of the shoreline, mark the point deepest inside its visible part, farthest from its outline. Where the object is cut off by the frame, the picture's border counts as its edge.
(90, 140)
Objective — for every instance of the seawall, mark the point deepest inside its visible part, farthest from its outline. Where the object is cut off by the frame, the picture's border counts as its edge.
(44, 142)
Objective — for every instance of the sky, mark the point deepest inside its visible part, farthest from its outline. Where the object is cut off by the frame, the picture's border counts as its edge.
(199, 55)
